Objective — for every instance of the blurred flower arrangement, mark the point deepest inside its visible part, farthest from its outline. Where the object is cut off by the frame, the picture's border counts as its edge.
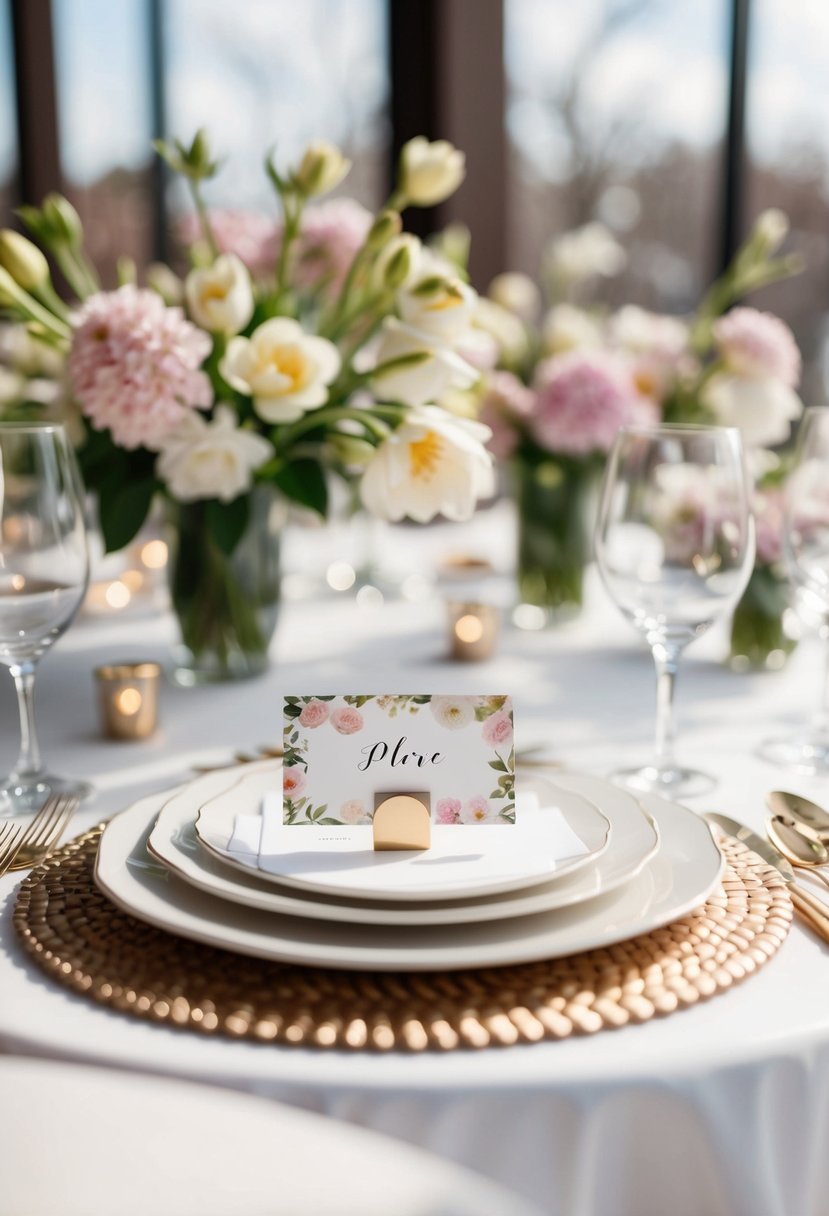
(318, 341)
(556, 401)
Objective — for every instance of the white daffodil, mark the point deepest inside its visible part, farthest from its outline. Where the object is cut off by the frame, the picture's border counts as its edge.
(438, 307)
(430, 171)
(438, 369)
(211, 459)
(284, 370)
(762, 410)
(432, 464)
(220, 297)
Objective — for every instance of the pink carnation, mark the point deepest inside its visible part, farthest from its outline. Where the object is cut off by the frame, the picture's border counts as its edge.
(583, 398)
(134, 366)
(346, 720)
(448, 810)
(331, 234)
(293, 781)
(497, 729)
(314, 714)
(251, 235)
(758, 345)
(768, 518)
(506, 402)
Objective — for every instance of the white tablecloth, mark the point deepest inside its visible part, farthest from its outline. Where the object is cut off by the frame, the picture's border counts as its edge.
(720, 1110)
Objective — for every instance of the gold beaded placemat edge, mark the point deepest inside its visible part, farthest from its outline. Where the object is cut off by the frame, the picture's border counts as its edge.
(76, 935)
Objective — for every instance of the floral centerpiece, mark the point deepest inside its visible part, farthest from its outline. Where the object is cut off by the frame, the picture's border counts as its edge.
(314, 342)
(585, 372)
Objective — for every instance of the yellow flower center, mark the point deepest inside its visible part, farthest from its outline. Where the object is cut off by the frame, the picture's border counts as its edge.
(424, 455)
(645, 382)
(289, 361)
(450, 298)
(214, 291)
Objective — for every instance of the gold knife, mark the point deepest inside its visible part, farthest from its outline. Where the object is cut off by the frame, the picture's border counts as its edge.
(812, 909)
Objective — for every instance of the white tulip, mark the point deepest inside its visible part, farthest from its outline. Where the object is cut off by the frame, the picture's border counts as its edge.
(763, 410)
(432, 464)
(211, 459)
(220, 297)
(569, 328)
(425, 381)
(323, 167)
(504, 327)
(517, 293)
(430, 171)
(399, 262)
(284, 370)
(586, 251)
(440, 308)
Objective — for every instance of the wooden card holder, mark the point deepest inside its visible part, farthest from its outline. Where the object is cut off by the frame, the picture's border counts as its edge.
(402, 821)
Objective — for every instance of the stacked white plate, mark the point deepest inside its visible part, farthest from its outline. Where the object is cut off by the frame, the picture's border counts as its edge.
(585, 865)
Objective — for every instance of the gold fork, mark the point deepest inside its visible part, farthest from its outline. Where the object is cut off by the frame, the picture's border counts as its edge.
(21, 848)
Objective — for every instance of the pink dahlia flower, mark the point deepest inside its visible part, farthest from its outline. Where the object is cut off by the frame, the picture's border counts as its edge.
(582, 398)
(251, 235)
(448, 810)
(134, 366)
(505, 402)
(758, 345)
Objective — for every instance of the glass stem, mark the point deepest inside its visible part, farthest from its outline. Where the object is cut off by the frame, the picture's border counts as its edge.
(28, 761)
(666, 659)
(820, 718)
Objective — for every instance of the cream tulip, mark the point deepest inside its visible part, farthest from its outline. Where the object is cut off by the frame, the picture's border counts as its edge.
(517, 293)
(438, 307)
(398, 263)
(762, 410)
(323, 167)
(220, 297)
(432, 464)
(284, 370)
(211, 459)
(430, 171)
(439, 369)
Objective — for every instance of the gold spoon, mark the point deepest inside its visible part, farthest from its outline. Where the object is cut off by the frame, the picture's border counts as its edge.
(809, 818)
(800, 850)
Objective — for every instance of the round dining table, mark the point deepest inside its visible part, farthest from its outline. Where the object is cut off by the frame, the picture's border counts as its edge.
(721, 1109)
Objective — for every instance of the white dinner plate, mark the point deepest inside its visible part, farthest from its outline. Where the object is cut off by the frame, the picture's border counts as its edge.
(555, 832)
(685, 869)
(173, 841)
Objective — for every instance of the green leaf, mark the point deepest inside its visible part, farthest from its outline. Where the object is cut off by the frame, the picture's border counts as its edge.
(292, 711)
(303, 481)
(226, 521)
(498, 765)
(123, 510)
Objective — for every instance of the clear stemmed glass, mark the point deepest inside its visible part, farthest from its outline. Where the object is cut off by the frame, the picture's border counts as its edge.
(44, 571)
(675, 547)
(806, 547)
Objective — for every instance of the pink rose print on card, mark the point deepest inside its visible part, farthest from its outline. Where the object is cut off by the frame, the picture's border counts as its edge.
(477, 810)
(353, 811)
(448, 810)
(497, 730)
(346, 720)
(314, 714)
(293, 781)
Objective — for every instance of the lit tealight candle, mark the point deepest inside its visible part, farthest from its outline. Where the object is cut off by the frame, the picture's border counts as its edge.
(473, 631)
(128, 699)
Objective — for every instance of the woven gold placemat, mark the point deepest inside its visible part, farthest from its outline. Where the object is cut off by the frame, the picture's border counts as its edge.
(72, 930)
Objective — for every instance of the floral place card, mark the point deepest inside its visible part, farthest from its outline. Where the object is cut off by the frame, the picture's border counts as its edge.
(344, 754)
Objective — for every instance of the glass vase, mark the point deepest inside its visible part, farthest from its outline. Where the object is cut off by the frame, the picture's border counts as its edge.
(763, 630)
(226, 604)
(556, 503)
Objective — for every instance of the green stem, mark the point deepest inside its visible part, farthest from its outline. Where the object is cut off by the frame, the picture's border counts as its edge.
(31, 310)
(293, 221)
(335, 413)
(204, 218)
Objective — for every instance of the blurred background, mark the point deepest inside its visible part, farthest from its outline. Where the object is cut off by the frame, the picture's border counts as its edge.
(673, 123)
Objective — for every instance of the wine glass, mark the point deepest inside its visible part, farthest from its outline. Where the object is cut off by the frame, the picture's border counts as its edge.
(675, 548)
(806, 550)
(44, 571)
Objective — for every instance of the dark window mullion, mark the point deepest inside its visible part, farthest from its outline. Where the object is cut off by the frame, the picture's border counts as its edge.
(734, 160)
(37, 116)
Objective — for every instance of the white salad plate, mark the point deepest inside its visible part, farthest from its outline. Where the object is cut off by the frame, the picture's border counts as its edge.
(174, 842)
(556, 832)
(685, 869)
